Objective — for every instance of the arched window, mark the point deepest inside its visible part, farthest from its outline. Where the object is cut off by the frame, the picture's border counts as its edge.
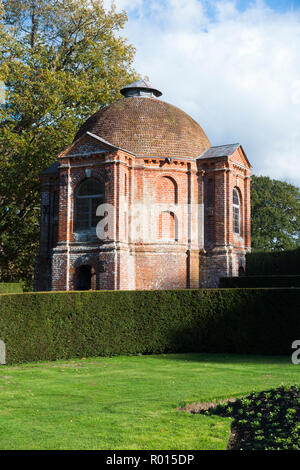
(166, 190)
(236, 211)
(167, 226)
(89, 196)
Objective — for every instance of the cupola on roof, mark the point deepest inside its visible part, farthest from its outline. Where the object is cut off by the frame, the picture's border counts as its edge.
(140, 88)
(147, 126)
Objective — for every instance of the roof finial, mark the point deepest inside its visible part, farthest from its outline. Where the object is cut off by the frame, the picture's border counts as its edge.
(140, 88)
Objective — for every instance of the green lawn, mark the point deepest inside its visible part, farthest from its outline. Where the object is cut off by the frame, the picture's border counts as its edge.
(128, 402)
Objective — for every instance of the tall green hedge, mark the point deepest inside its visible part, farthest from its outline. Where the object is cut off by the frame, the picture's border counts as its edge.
(260, 281)
(49, 326)
(10, 287)
(273, 263)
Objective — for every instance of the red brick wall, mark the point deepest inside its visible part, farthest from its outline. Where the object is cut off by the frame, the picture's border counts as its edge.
(201, 246)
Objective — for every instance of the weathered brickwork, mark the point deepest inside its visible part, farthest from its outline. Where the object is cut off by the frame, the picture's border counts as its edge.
(172, 197)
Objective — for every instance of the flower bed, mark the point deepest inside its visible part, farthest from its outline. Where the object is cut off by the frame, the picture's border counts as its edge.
(268, 420)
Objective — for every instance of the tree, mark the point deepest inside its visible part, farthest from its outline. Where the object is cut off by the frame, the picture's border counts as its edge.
(275, 214)
(60, 61)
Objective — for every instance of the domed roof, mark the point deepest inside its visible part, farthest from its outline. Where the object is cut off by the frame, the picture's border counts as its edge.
(147, 126)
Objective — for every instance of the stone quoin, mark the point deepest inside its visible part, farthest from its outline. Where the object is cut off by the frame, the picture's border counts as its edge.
(141, 200)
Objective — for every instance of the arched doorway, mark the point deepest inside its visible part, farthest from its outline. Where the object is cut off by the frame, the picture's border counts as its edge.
(241, 271)
(84, 278)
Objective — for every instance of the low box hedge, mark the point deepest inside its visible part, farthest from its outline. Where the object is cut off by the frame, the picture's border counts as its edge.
(260, 281)
(10, 287)
(59, 325)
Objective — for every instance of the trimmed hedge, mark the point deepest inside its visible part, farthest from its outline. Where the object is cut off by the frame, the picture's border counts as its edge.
(60, 325)
(10, 287)
(260, 281)
(273, 263)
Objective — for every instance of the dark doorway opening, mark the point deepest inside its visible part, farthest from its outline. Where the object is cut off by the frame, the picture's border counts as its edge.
(241, 271)
(84, 278)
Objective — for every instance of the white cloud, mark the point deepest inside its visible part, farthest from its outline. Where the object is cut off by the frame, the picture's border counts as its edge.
(236, 73)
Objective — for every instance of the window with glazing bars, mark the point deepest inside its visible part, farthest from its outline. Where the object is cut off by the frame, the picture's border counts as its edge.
(236, 212)
(89, 196)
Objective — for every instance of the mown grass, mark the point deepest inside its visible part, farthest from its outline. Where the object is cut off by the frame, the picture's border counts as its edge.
(129, 402)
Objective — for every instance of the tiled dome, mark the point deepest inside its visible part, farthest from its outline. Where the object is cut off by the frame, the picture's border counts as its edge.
(147, 126)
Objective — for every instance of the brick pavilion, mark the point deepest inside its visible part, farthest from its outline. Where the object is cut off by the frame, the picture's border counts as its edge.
(141, 200)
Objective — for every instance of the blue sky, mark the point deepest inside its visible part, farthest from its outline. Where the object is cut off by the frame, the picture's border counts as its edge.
(279, 5)
(233, 65)
(276, 5)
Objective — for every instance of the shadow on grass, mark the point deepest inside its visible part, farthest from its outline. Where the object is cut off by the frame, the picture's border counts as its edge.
(225, 358)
